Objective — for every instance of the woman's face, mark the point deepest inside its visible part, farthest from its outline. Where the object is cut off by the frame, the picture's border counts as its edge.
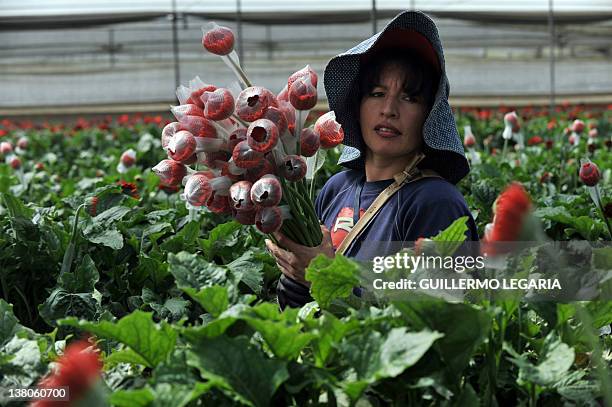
(391, 120)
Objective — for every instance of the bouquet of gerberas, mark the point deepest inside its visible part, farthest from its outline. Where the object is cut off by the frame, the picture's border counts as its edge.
(248, 149)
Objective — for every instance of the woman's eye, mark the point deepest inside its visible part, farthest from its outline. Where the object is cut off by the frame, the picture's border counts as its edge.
(409, 98)
(376, 94)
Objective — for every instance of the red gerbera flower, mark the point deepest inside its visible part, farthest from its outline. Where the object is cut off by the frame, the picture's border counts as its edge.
(129, 189)
(78, 369)
(511, 208)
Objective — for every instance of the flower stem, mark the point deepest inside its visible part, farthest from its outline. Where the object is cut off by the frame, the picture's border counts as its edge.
(244, 80)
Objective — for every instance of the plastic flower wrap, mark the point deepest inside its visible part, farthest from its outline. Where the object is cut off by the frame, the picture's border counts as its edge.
(127, 160)
(243, 152)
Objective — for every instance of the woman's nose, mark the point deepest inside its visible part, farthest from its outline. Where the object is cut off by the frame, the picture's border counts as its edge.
(389, 107)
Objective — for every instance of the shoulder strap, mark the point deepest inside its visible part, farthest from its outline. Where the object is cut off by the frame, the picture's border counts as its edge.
(410, 174)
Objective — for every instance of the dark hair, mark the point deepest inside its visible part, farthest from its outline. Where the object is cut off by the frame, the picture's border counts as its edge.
(419, 79)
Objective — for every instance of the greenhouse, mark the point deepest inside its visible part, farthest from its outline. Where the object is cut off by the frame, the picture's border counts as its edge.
(75, 54)
(308, 203)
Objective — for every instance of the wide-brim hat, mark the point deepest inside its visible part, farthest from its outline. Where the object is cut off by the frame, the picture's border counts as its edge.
(414, 31)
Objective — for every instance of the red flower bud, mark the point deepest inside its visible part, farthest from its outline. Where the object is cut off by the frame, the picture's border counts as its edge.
(245, 157)
(512, 120)
(268, 219)
(549, 144)
(511, 208)
(304, 73)
(170, 172)
(168, 132)
(589, 174)
(302, 94)
(198, 126)
(218, 105)
(78, 369)
(15, 163)
(262, 135)
(182, 146)
(253, 102)
(39, 166)
(128, 158)
(22, 143)
(593, 133)
(469, 140)
(578, 126)
(266, 191)
(240, 196)
(197, 191)
(218, 40)
(289, 112)
(534, 140)
(293, 168)
(219, 203)
(309, 142)
(329, 130)
(6, 147)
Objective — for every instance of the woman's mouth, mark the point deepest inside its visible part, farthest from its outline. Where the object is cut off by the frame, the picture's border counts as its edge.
(386, 131)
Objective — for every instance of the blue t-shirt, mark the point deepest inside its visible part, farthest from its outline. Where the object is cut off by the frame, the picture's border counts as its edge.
(420, 208)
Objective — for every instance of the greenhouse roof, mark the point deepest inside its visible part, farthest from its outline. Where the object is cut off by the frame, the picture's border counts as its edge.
(33, 14)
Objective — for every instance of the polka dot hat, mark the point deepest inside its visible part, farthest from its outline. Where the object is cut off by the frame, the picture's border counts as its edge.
(416, 31)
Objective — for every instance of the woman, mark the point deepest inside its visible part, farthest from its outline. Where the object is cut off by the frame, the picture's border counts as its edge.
(402, 149)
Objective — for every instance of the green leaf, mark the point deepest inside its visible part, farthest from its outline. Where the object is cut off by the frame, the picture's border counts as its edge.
(460, 339)
(20, 217)
(16, 208)
(153, 342)
(108, 237)
(331, 278)
(213, 299)
(132, 398)
(179, 395)
(330, 331)
(374, 357)
(61, 304)
(191, 270)
(126, 356)
(248, 269)
(111, 215)
(556, 359)
(555, 213)
(184, 239)
(156, 228)
(240, 371)
(586, 227)
(83, 279)
(9, 325)
(284, 338)
(449, 240)
(221, 237)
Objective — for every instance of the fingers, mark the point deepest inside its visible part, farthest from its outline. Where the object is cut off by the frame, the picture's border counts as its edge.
(287, 262)
(281, 255)
(286, 242)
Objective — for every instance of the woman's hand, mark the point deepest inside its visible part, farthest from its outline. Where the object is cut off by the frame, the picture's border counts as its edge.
(293, 261)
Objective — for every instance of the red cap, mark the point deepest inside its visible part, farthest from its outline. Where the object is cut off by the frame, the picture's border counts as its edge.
(407, 39)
